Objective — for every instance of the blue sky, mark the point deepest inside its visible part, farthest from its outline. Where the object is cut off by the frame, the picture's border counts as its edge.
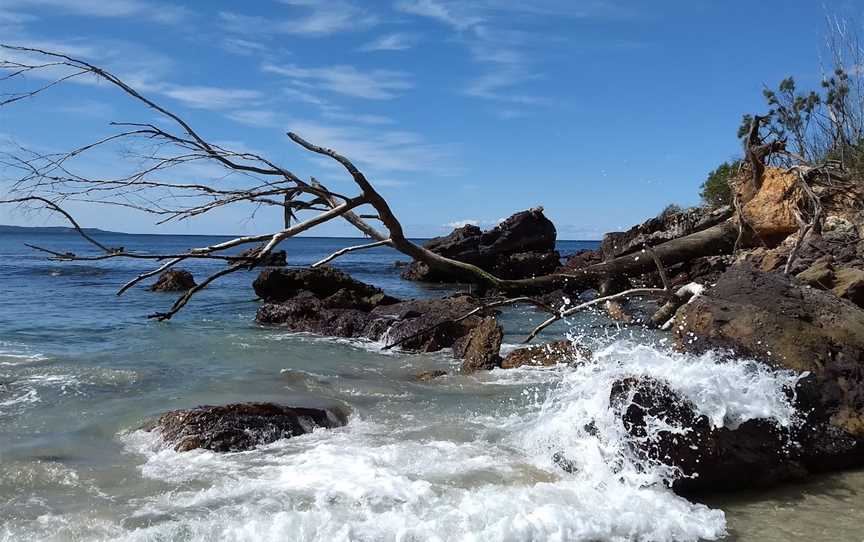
(601, 111)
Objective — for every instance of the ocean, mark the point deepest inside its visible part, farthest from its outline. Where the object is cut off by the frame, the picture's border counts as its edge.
(459, 458)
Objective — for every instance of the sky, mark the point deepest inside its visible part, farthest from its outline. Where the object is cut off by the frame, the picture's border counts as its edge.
(601, 111)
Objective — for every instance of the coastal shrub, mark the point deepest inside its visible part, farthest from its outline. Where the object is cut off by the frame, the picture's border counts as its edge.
(716, 191)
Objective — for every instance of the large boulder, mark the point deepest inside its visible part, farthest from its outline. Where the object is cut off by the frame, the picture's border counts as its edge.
(771, 211)
(174, 280)
(667, 428)
(333, 287)
(426, 325)
(672, 223)
(241, 426)
(769, 317)
(521, 246)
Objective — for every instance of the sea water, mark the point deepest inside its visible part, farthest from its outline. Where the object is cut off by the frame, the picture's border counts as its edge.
(459, 458)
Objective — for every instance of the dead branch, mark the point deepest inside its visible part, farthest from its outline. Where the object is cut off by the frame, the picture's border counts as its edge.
(346, 250)
(815, 224)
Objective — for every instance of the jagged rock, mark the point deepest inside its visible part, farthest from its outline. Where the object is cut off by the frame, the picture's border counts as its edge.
(670, 224)
(771, 211)
(756, 453)
(407, 319)
(333, 287)
(173, 280)
(483, 346)
(521, 246)
(241, 426)
(276, 258)
(770, 318)
(546, 355)
(429, 376)
(820, 274)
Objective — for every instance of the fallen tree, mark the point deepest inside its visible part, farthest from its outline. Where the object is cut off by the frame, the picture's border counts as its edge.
(50, 180)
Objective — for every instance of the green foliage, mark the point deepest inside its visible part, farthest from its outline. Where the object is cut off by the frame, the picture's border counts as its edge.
(716, 191)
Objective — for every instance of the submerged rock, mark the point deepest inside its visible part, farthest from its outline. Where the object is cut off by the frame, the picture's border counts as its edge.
(546, 355)
(429, 376)
(521, 246)
(241, 426)
(174, 280)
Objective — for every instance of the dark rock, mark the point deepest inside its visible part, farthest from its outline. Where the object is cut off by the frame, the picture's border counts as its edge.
(276, 258)
(307, 314)
(429, 376)
(483, 346)
(546, 355)
(333, 287)
(820, 274)
(769, 317)
(849, 284)
(756, 453)
(241, 426)
(174, 280)
(520, 247)
(581, 259)
(670, 224)
(433, 317)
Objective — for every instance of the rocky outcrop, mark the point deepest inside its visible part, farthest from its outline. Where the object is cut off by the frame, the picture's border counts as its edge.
(332, 287)
(482, 346)
(670, 224)
(770, 212)
(667, 428)
(276, 258)
(580, 259)
(546, 355)
(845, 282)
(174, 280)
(521, 246)
(769, 317)
(241, 426)
(326, 301)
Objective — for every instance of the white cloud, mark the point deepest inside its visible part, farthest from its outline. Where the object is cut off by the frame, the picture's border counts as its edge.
(202, 97)
(158, 12)
(457, 15)
(462, 223)
(318, 19)
(373, 85)
(391, 42)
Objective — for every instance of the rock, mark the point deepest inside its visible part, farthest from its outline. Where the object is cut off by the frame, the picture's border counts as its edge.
(276, 258)
(771, 211)
(756, 453)
(705, 270)
(526, 264)
(310, 315)
(521, 246)
(849, 284)
(333, 287)
(483, 346)
(670, 224)
(407, 319)
(768, 317)
(174, 280)
(241, 426)
(546, 355)
(429, 376)
(581, 259)
(819, 275)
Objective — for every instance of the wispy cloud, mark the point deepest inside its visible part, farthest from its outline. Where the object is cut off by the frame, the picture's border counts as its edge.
(202, 97)
(375, 84)
(459, 15)
(151, 11)
(392, 42)
(315, 19)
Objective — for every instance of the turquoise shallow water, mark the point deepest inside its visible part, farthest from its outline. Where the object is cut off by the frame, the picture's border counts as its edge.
(463, 458)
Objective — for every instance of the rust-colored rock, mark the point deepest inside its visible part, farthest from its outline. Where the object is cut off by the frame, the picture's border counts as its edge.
(771, 211)
(546, 355)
